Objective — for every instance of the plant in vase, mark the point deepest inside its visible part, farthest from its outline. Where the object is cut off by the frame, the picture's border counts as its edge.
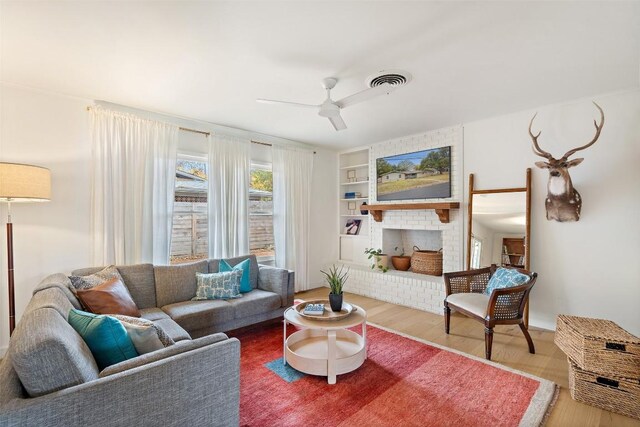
(400, 262)
(336, 278)
(380, 260)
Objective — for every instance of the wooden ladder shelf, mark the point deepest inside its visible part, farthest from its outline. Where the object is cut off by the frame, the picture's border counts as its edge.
(441, 208)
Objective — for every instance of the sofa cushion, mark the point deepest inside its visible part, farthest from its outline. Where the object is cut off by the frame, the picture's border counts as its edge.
(145, 335)
(472, 302)
(54, 298)
(171, 328)
(193, 315)
(106, 337)
(255, 302)
(177, 283)
(138, 278)
(223, 285)
(214, 267)
(244, 266)
(92, 280)
(48, 354)
(62, 282)
(153, 314)
(111, 297)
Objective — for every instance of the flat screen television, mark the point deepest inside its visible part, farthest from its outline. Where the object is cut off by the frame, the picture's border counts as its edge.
(419, 175)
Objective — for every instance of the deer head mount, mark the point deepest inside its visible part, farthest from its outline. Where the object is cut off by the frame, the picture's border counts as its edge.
(563, 202)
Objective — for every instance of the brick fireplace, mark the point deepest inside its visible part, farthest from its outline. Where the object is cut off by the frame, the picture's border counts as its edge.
(406, 228)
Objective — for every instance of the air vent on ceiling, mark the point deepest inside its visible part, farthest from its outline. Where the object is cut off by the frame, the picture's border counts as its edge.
(391, 77)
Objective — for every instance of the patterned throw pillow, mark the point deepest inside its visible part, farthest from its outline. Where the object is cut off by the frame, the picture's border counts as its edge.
(98, 278)
(146, 335)
(223, 285)
(505, 278)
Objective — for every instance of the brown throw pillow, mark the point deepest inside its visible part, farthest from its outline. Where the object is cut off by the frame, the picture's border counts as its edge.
(111, 297)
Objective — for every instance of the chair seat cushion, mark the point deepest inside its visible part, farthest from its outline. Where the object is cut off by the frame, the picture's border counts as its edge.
(472, 302)
(194, 315)
(255, 302)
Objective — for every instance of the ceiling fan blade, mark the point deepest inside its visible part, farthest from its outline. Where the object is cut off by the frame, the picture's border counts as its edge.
(365, 95)
(337, 122)
(292, 104)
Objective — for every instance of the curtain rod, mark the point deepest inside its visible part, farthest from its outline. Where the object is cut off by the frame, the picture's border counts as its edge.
(201, 132)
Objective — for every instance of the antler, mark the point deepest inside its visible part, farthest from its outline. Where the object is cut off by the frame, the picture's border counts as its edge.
(536, 148)
(595, 138)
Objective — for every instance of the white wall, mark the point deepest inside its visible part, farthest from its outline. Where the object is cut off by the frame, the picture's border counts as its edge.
(586, 268)
(51, 130)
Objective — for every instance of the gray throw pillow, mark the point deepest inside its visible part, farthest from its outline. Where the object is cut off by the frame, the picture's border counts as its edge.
(145, 335)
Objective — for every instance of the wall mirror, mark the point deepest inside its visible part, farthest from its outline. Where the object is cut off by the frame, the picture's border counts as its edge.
(499, 226)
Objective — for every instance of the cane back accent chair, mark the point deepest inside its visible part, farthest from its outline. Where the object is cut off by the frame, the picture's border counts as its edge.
(465, 294)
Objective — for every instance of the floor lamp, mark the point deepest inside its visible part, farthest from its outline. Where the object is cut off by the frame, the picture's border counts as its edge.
(20, 183)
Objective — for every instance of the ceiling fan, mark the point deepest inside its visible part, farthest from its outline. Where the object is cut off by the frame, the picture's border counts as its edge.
(331, 109)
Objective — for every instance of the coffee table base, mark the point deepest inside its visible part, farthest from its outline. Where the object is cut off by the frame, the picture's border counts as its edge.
(326, 353)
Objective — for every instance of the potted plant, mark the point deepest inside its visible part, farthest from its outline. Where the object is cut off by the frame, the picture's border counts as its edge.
(401, 262)
(380, 260)
(336, 278)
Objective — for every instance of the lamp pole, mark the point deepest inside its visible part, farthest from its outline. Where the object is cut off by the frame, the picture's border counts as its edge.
(11, 282)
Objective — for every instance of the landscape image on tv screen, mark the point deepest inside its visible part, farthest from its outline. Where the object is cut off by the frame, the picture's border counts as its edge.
(419, 175)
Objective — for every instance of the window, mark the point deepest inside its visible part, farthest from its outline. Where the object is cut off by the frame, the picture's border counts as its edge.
(189, 236)
(476, 252)
(261, 242)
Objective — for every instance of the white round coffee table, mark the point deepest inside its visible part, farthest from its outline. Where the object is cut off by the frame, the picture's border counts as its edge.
(325, 348)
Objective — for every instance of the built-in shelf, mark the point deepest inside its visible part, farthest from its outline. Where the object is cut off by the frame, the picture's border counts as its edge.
(353, 235)
(441, 208)
(361, 166)
(357, 199)
(354, 183)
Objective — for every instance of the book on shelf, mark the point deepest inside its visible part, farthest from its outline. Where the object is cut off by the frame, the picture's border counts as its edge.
(352, 226)
(352, 195)
(313, 309)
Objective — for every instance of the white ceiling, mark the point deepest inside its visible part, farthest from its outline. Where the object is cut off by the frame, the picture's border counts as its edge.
(501, 212)
(211, 60)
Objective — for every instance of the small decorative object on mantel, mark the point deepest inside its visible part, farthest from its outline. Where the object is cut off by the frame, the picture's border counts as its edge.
(426, 262)
(336, 278)
(563, 201)
(380, 260)
(400, 262)
(364, 212)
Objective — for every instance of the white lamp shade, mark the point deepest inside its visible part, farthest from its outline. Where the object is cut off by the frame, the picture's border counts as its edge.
(24, 183)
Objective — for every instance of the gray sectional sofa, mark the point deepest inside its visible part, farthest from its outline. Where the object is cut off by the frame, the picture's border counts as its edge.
(49, 377)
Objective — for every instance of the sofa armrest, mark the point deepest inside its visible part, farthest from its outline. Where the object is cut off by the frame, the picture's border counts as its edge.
(177, 348)
(197, 387)
(278, 280)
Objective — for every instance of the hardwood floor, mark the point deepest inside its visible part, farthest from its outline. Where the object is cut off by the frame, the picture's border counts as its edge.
(509, 349)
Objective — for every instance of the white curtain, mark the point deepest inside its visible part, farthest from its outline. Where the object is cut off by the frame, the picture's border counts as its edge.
(228, 201)
(133, 179)
(292, 171)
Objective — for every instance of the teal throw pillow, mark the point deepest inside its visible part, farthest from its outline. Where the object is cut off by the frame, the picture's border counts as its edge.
(245, 284)
(105, 336)
(505, 278)
(222, 285)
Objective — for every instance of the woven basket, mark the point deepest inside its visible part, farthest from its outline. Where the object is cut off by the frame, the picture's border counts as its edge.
(599, 346)
(612, 393)
(426, 262)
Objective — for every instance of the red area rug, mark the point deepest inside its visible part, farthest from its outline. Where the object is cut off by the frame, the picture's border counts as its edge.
(403, 382)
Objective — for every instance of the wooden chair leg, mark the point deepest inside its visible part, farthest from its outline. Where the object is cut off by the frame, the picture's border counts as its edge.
(447, 318)
(488, 341)
(532, 349)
